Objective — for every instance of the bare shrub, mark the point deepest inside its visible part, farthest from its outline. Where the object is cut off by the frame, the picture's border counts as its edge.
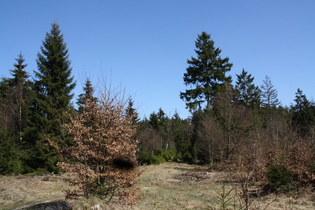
(295, 159)
(151, 140)
(208, 141)
(102, 157)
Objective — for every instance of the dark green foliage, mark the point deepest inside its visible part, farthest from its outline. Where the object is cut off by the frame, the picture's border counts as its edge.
(20, 95)
(87, 95)
(19, 74)
(149, 158)
(154, 121)
(249, 93)
(164, 136)
(158, 120)
(169, 155)
(161, 124)
(181, 134)
(303, 116)
(188, 158)
(51, 100)
(14, 97)
(132, 112)
(279, 178)
(11, 161)
(205, 74)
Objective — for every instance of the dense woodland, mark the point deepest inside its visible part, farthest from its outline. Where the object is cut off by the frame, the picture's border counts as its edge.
(233, 125)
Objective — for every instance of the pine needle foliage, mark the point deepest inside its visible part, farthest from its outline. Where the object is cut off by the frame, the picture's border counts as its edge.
(205, 74)
(51, 100)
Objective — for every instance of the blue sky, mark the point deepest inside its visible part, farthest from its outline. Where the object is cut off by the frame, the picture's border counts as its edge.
(143, 45)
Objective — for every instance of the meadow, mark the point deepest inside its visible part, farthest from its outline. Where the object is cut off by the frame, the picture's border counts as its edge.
(165, 186)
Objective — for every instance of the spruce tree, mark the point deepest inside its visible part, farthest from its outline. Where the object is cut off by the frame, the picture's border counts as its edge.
(13, 112)
(131, 112)
(181, 131)
(269, 95)
(51, 100)
(270, 105)
(249, 93)
(303, 113)
(19, 86)
(205, 74)
(87, 95)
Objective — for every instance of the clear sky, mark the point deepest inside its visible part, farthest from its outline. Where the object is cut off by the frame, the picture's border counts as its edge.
(143, 45)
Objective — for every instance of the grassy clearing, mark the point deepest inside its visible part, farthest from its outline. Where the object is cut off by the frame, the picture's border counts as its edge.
(165, 186)
(162, 189)
(17, 191)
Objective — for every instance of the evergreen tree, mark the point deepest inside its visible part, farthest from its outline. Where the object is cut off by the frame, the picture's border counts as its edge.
(249, 94)
(52, 94)
(303, 113)
(5, 110)
(154, 121)
(19, 89)
(196, 121)
(13, 112)
(181, 131)
(131, 112)
(269, 103)
(269, 95)
(87, 95)
(19, 74)
(205, 74)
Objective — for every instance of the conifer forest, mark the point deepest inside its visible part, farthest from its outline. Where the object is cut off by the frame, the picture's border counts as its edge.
(233, 125)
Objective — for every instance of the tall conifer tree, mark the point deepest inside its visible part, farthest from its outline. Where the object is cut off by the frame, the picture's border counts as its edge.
(249, 93)
(14, 94)
(303, 113)
(19, 90)
(269, 95)
(205, 74)
(52, 94)
(131, 112)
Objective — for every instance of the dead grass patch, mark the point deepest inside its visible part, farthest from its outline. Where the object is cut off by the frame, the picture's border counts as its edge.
(16, 191)
(161, 188)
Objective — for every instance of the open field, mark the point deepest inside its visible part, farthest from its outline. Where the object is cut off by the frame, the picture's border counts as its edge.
(17, 191)
(165, 186)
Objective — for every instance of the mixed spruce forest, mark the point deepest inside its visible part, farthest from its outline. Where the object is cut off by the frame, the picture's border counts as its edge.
(236, 126)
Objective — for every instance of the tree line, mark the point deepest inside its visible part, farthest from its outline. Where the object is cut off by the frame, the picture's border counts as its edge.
(241, 125)
(34, 110)
(43, 132)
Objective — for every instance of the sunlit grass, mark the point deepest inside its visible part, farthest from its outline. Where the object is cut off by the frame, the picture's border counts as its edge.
(161, 188)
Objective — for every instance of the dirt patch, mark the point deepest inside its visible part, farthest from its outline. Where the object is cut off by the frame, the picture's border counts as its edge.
(192, 176)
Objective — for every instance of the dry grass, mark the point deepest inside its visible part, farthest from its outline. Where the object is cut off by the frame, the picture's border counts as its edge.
(17, 191)
(162, 187)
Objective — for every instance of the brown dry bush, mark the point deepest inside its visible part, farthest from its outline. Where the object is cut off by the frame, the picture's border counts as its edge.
(102, 158)
(296, 158)
(285, 162)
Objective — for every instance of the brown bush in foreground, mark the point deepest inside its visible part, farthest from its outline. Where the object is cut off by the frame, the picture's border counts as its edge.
(296, 159)
(102, 158)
